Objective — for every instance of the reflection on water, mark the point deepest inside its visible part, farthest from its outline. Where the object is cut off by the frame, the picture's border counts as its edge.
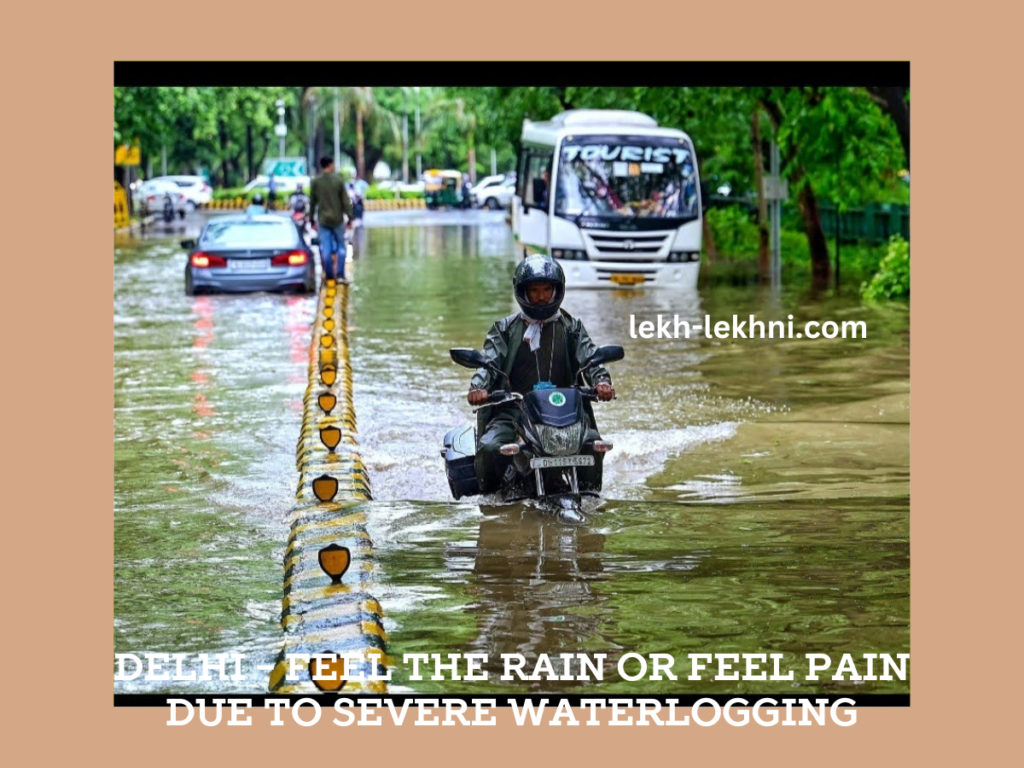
(757, 499)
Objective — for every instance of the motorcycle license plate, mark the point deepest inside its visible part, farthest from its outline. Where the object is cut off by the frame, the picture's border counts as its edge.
(561, 461)
(627, 279)
(249, 265)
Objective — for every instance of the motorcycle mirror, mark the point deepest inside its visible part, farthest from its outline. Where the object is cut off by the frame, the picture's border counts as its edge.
(609, 354)
(188, 244)
(468, 358)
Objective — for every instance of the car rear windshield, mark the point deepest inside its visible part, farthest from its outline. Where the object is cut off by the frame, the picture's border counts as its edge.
(267, 234)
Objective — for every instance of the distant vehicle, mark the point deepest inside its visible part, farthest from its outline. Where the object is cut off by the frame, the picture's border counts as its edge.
(261, 252)
(488, 180)
(494, 192)
(151, 196)
(613, 196)
(285, 184)
(443, 189)
(197, 191)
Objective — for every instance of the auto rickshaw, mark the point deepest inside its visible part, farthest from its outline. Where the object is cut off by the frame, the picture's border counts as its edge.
(443, 189)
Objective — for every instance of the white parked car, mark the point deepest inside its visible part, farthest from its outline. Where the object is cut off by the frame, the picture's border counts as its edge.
(494, 192)
(150, 195)
(196, 190)
(285, 184)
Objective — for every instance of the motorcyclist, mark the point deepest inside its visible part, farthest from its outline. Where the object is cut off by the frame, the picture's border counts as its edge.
(256, 205)
(298, 202)
(539, 347)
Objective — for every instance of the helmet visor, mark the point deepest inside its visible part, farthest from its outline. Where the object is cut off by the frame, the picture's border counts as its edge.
(540, 293)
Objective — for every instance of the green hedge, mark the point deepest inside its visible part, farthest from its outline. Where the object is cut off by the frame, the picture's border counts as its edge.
(892, 280)
(376, 193)
(233, 192)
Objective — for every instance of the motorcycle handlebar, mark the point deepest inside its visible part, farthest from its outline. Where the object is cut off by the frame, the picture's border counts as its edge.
(499, 396)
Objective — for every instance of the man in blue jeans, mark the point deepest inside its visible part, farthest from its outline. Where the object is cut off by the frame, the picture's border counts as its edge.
(329, 204)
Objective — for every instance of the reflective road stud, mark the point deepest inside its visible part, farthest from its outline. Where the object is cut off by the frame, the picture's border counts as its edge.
(335, 560)
(329, 665)
(330, 436)
(325, 487)
(327, 401)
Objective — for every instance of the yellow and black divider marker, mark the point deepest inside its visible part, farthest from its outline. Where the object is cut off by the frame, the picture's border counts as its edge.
(329, 564)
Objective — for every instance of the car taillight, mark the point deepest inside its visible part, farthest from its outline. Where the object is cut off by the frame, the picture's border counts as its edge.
(150, 199)
(200, 259)
(290, 259)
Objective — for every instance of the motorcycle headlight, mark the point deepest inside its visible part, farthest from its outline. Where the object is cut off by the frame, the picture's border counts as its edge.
(560, 441)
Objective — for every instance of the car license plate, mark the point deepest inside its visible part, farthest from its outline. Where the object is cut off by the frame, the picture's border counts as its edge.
(561, 461)
(249, 265)
(627, 279)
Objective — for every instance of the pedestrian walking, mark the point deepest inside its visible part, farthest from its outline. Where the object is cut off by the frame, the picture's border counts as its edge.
(272, 191)
(329, 205)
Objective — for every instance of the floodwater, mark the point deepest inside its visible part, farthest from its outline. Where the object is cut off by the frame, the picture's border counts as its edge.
(757, 499)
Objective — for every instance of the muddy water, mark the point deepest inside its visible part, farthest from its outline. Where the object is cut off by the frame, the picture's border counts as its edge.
(757, 499)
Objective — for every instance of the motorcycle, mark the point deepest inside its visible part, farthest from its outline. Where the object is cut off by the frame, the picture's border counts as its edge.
(168, 212)
(357, 209)
(553, 440)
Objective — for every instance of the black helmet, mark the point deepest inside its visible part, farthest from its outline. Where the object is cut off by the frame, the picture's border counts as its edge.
(538, 269)
(257, 199)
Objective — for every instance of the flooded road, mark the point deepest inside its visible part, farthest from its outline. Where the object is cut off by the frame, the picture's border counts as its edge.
(757, 499)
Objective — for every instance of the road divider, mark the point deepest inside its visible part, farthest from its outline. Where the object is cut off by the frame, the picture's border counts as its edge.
(395, 205)
(327, 606)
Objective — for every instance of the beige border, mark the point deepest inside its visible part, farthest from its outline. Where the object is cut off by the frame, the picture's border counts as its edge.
(59, 65)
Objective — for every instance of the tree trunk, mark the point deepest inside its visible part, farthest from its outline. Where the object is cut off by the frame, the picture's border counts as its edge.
(360, 147)
(262, 157)
(318, 144)
(223, 131)
(471, 157)
(763, 265)
(709, 240)
(248, 150)
(371, 156)
(821, 268)
(893, 101)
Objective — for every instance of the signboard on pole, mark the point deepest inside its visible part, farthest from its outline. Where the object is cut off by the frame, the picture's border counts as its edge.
(284, 167)
(125, 154)
(775, 188)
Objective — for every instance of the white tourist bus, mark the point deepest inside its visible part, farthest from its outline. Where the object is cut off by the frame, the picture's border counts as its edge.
(625, 208)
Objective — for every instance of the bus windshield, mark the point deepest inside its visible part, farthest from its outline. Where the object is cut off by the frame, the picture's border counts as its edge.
(628, 179)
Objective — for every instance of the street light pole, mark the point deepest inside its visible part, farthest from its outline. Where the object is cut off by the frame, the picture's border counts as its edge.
(337, 129)
(405, 139)
(280, 129)
(419, 158)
